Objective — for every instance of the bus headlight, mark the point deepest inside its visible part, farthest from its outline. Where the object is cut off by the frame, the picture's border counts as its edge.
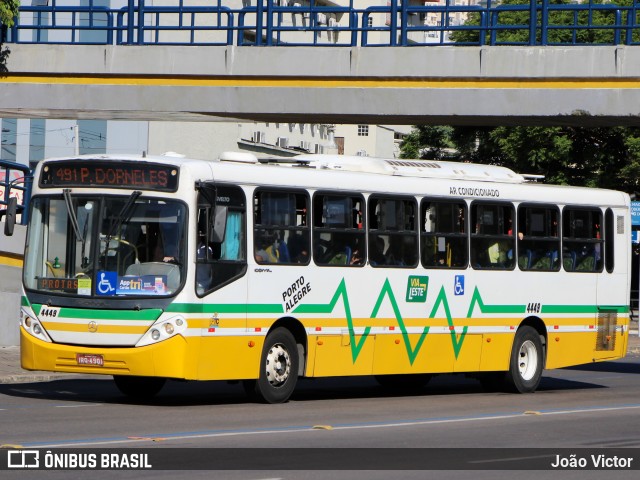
(32, 326)
(164, 329)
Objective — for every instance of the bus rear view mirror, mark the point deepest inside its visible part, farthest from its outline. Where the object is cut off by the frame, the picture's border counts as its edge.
(10, 216)
(219, 224)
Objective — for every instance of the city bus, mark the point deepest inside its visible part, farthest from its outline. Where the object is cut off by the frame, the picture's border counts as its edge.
(263, 271)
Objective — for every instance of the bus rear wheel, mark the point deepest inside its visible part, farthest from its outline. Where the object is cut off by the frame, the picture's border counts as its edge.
(527, 360)
(278, 369)
(139, 387)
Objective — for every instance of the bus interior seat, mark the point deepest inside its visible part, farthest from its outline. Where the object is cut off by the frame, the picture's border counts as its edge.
(569, 261)
(341, 257)
(524, 261)
(543, 263)
(588, 263)
(171, 270)
(283, 253)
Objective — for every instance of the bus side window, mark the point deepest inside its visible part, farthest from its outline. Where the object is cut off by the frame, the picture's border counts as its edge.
(393, 237)
(220, 255)
(582, 242)
(281, 232)
(492, 238)
(538, 238)
(443, 234)
(338, 229)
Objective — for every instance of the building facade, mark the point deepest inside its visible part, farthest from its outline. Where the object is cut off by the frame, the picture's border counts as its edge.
(28, 141)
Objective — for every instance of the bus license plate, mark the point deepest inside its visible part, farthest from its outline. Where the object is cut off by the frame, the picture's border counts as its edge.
(87, 359)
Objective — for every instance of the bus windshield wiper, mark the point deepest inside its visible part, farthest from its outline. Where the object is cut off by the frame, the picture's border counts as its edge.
(73, 219)
(125, 214)
(72, 214)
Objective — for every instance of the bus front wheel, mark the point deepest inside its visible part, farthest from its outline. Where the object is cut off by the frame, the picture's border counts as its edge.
(139, 387)
(527, 360)
(278, 369)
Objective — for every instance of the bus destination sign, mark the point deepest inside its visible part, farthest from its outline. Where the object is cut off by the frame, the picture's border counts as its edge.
(96, 173)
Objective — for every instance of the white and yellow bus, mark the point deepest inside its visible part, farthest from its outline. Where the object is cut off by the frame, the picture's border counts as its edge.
(155, 268)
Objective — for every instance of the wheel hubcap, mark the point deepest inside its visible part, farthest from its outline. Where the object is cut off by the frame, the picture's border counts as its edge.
(527, 360)
(278, 365)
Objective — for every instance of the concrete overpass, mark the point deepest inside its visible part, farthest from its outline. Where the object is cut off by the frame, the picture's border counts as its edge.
(580, 85)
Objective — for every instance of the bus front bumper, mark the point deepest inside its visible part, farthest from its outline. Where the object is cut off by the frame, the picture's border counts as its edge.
(164, 359)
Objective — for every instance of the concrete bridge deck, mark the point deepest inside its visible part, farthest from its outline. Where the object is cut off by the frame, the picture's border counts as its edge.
(582, 85)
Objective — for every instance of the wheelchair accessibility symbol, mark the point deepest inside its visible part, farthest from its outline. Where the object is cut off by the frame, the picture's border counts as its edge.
(458, 286)
(107, 283)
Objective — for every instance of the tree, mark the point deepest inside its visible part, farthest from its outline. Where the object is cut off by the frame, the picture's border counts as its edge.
(565, 24)
(606, 157)
(426, 141)
(8, 11)
(597, 157)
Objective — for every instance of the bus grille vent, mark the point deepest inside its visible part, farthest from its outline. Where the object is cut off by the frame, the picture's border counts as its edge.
(620, 224)
(606, 338)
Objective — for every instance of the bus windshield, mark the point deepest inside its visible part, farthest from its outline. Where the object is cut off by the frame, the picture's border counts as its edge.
(105, 245)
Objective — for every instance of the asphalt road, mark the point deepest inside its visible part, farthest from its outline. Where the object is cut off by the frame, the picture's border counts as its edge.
(582, 408)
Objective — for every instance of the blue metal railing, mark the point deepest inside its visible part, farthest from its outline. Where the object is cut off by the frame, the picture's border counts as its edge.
(306, 22)
(16, 181)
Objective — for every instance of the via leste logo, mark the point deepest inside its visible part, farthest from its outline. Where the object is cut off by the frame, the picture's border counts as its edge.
(417, 289)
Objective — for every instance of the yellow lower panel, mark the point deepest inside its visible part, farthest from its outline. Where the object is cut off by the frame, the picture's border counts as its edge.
(566, 349)
(334, 356)
(172, 358)
(468, 357)
(230, 358)
(393, 355)
(496, 352)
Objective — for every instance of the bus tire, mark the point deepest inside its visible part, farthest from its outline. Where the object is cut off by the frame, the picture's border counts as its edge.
(526, 363)
(278, 369)
(413, 381)
(139, 387)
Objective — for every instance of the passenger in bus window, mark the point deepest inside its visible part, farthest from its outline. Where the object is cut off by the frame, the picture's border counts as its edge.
(340, 250)
(395, 252)
(298, 245)
(357, 252)
(302, 256)
(376, 253)
(498, 254)
(266, 252)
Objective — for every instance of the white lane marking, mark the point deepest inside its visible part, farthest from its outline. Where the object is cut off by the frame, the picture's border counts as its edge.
(435, 421)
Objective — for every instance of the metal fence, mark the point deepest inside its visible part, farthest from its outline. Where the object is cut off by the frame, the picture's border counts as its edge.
(278, 22)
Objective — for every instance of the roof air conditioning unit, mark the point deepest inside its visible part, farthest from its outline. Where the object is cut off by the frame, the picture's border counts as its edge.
(318, 148)
(361, 153)
(259, 137)
(283, 142)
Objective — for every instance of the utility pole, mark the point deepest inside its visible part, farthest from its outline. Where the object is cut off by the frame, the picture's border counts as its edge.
(76, 139)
